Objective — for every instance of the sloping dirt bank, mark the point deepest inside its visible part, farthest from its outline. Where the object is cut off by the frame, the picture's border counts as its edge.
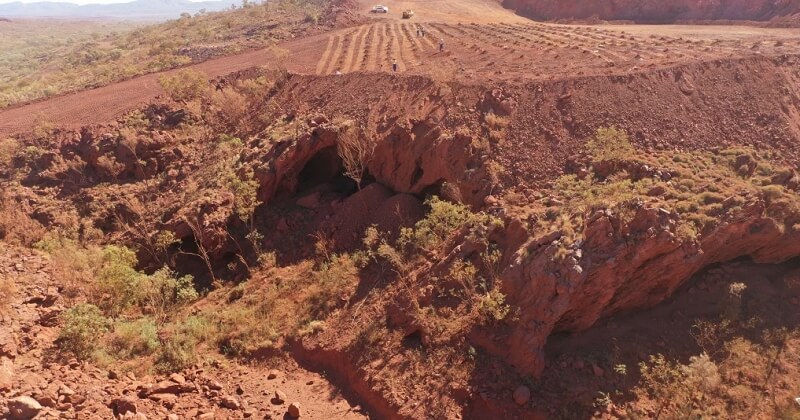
(751, 101)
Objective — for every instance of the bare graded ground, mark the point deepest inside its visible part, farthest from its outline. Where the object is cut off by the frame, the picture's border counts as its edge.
(483, 43)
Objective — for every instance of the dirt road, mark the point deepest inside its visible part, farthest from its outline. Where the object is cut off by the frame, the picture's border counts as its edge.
(482, 42)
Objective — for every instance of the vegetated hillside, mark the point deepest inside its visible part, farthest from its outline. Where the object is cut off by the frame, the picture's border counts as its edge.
(656, 11)
(422, 241)
(133, 10)
(33, 66)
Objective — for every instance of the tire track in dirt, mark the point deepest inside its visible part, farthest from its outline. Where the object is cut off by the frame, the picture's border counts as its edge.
(364, 51)
(398, 46)
(415, 48)
(374, 49)
(384, 46)
(323, 61)
(397, 49)
(333, 57)
(354, 39)
(408, 57)
(361, 48)
(427, 40)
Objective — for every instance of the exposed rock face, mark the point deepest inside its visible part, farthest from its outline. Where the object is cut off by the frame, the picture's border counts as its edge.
(284, 161)
(408, 159)
(412, 159)
(619, 267)
(656, 10)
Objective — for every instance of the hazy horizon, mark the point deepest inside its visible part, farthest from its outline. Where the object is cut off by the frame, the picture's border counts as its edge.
(80, 2)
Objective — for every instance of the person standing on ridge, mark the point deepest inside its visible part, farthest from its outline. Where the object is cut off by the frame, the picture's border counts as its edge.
(394, 65)
(441, 44)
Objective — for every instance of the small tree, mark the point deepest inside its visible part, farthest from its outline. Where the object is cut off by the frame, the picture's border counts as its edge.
(356, 151)
(84, 325)
(164, 290)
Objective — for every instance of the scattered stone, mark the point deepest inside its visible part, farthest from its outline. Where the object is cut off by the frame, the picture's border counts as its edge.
(522, 395)
(6, 373)
(273, 374)
(47, 401)
(598, 371)
(282, 226)
(239, 390)
(167, 400)
(123, 405)
(23, 408)
(657, 191)
(177, 378)
(310, 201)
(279, 397)
(65, 391)
(169, 387)
(230, 402)
(75, 399)
(294, 410)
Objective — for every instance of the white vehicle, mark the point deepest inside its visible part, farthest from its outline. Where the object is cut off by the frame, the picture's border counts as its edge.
(380, 9)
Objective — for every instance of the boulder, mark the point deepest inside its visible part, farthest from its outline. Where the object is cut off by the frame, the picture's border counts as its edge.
(279, 397)
(123, 405)
(294, 410)
(522, 395)
(230, 402)
(23, 408)
(6, 373)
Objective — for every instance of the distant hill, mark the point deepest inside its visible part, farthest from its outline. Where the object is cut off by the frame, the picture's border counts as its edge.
(138, 9)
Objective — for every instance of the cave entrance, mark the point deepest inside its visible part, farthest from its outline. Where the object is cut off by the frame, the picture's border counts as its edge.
(325, 170)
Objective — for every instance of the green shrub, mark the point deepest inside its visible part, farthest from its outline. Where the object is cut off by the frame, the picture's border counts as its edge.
(9, 148)
(443, 219)
(118, 283)
(184, 85)
(493, 306)
(711, 198)
(245, 195)
(198, 327)
(771, 193)
(84, 326)
(134, 338)
(163, 291)
(610, 144)
(176, 353)
(334, 278)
